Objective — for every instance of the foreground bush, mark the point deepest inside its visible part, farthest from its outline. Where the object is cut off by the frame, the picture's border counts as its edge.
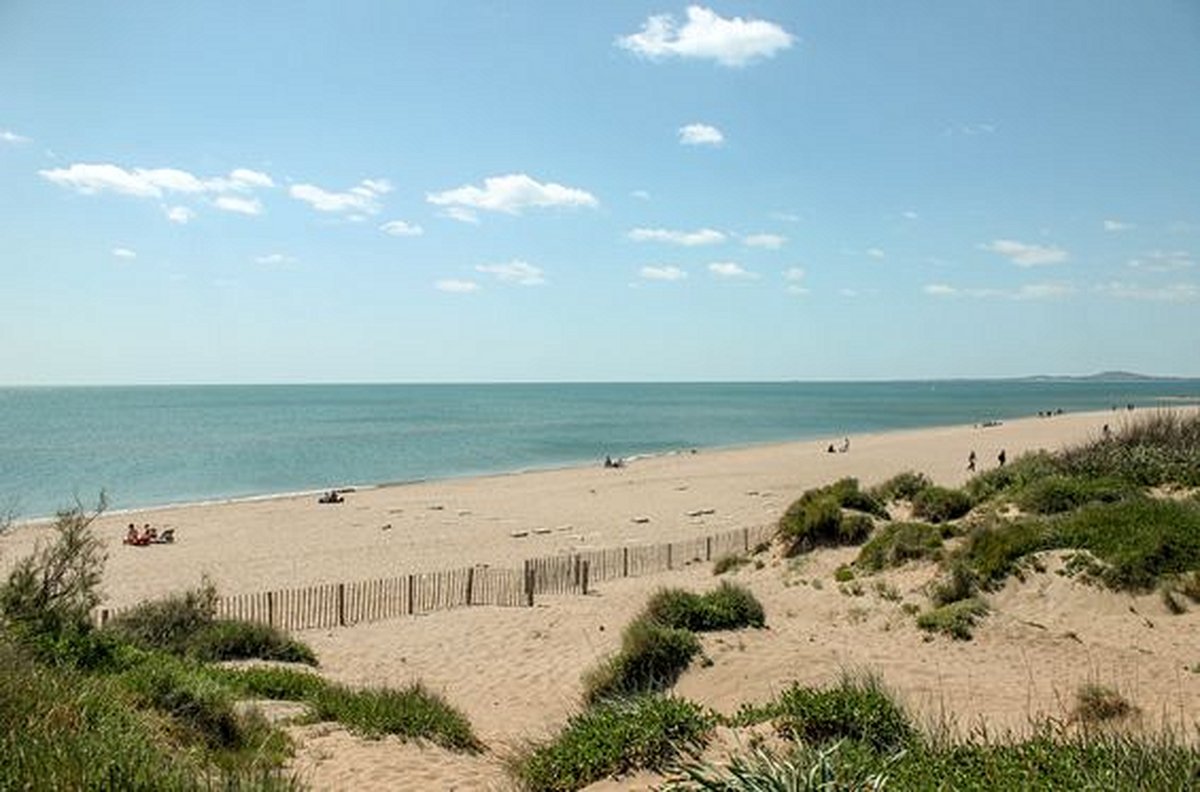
(858, 709)
(816, 519)
(1059, 493)
(411, 712)
(902, 486)
(651, 658)
(618, 736)
(939, 504)
(896, 543)
(727, 607)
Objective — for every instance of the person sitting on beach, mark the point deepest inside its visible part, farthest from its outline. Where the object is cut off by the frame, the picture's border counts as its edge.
(608, 462)
(149, 534)
(831, 449)
(845, 445)
(131, 536)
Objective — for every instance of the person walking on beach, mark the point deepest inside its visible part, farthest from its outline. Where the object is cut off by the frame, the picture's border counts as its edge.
(971, 462)
(1002, 457)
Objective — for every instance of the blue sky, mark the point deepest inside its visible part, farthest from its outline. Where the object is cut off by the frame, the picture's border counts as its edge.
(548, 191)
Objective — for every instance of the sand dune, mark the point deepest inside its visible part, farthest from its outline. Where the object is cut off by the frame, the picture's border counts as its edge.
(515, 671)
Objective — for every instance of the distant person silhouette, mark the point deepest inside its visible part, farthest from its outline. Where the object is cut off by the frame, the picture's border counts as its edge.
(1003, 457)
(971, 462)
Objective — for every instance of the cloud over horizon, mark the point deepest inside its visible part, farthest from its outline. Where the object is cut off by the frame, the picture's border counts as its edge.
(512, 194)
(515, 271)
(700, 135)
(363, 198)
(704, 236)
(1024, 254)
(732, 42)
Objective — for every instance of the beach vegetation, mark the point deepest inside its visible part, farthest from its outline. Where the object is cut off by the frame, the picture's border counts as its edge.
(617, 736)
(411, 712)
(843, 574)
(651, 658)
(729, 563)
(956, 619)
(1096, 704)
(816, 518)
(896, 543)
(727, 607)
(902, 486)
(940, 504)
(850, 496)
(1059, 493)
(803, 769)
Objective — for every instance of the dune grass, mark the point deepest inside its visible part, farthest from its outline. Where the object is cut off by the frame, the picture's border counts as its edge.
(816, 518)
(651, 658)
(727, 607)
(896, 543)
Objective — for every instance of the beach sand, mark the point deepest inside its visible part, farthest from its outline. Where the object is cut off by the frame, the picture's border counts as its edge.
(515, 671)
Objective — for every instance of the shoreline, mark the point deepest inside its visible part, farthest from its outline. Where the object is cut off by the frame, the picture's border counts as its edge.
(1171, 404)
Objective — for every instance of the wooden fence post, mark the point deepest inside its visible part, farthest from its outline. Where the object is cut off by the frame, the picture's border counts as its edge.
(411, 594)
(584, 576)
(270, 608)
(103, 617)
(528, 584)
(669, 556)
(625, 562)
(708, 548)
(341, 603)
(470, 583)
(746, 538)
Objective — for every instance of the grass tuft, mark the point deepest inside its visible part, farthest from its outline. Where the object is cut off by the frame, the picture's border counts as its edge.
(1096, 704)
(956, 619)
(896, 543)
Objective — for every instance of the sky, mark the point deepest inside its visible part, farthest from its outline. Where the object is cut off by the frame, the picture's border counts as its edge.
(597, 191)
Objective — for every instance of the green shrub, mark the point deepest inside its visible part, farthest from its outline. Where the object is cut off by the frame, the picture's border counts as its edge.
(193, 700)
(1095, 703)
(168, 623)
(843, 574)
(995, 550)
(237, 640)
(848, 495)
(816, 517)
(730, 562)
(902, 486)
(939, 504)
(1157, 448)
(618, 736)
(651, 658)
(1059, 493)
(855, 529)
(727, 607)
(857, 709)
(1002, 482)
(956, 619)
(411, 712)
(896, 543)
(804, 769)
(53, 590)
(286, 684)
(958, 583)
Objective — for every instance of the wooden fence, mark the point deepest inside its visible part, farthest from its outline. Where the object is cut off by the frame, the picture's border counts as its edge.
(342, 604)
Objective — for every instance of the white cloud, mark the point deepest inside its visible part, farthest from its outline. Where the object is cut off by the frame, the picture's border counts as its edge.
(92, 178)
(909, 215)
(1031, 291)
(1117, 225)
(876, 253)
(124, 253)
(249, 178)
(401, 228)
(363, 198)
(275, 259)
(769, 241)
(970, 130)
(705, 236)
(179, 214)
(512, 194)
(515, 271)
(664, 273)
(1026, 255)
(456, 286)
(795, 278)
(1176, 292)
(1163, 261)
(233, 203)
(787, 217)
(641, 195)
(729, 269)
(730, 42)
(8, 136)
(700, 135)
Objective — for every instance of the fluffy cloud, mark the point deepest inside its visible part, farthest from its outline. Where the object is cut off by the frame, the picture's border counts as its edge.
(1176, 292)
(124, 253)
(92, 178)
(234, 203)
(8, 136)
(456, 286)
(641, 195)
(245, 178)
(795, 280)
(1031, 291)
(1026, 255)
(461, 214)
(1163, 261)
(1117, 225)
(362, 199)
(665, 273)
(515, 271)
(705, 35)
(700, 135)
(512, 194)
(769, 241)
(728, 269)
(179, 214)
(876, 253)
(401, 228)
(272, 259)
(705, 236)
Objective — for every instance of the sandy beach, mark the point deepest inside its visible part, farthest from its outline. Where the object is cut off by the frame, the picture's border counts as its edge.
(515, 671)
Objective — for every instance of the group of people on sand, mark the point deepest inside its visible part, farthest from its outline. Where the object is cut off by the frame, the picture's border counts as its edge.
(333, 496)
(1001, 458)
(609, 462)
(841, 449)
(148, 535)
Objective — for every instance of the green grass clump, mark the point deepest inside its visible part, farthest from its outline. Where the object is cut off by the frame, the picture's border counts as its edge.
(902, 486)
(805, 769)
(939, 504)
(995, 550)
(857, 709)
(1059, 493)
(651, 658)
(956, 619)
(896, 543)
(618, 736)
(411, 712)
(1161, 447)
(816, 519)
(1016, 475)
(729, 563)
(727, 607)
(194, 701)
(185, 625)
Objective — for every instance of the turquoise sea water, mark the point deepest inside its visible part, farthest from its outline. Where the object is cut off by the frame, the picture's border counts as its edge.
(155, 445)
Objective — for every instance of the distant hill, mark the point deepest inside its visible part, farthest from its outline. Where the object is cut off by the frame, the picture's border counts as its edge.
(1103, 376)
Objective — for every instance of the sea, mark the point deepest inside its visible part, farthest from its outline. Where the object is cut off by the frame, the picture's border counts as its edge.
(156, 445)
